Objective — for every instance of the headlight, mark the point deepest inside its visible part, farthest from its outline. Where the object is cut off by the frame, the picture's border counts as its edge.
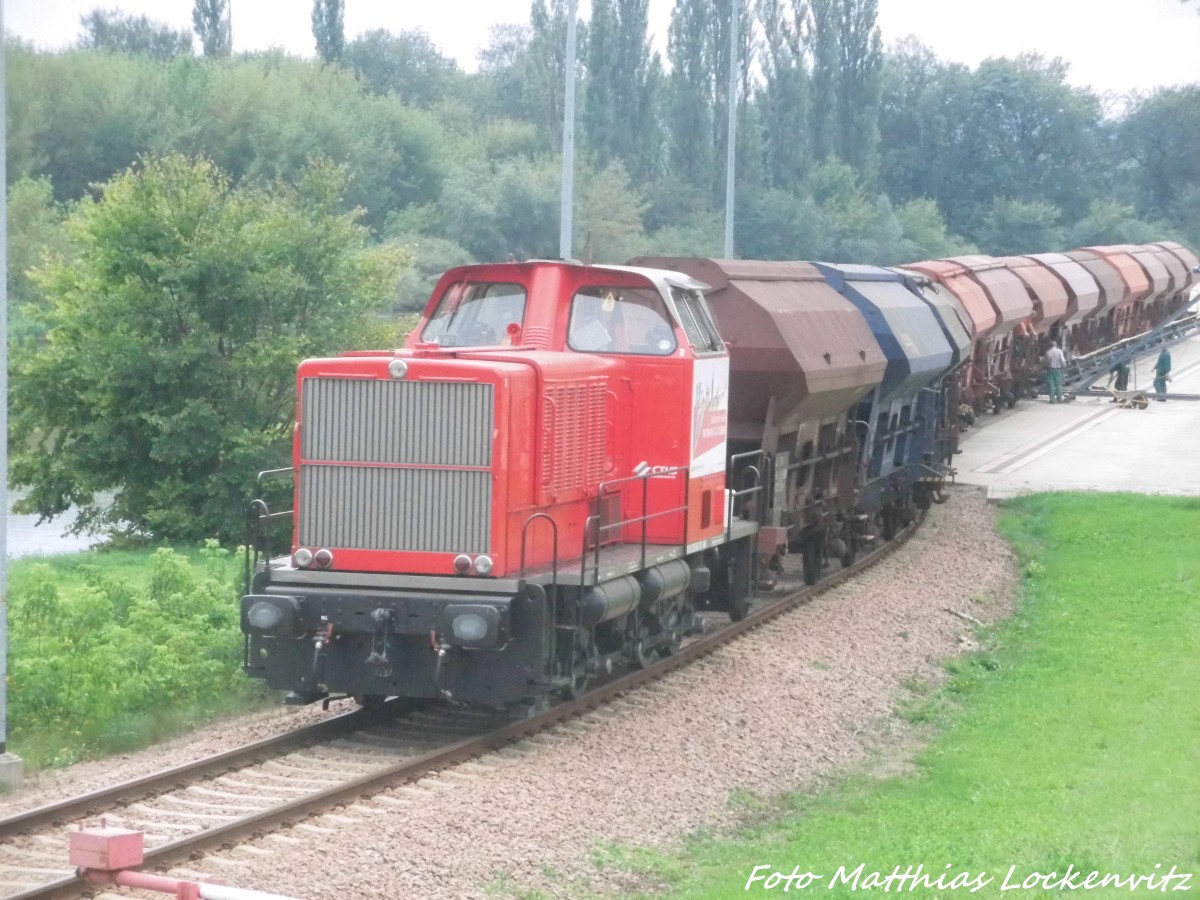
(323, 558)
(483, 564)
(302, 558)
(469, 628)
(272, 616)
(474, 624)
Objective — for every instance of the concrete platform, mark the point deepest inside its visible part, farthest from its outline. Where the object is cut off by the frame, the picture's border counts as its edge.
(1089, 444)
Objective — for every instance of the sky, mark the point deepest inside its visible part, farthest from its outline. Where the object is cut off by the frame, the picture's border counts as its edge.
(1116, 46)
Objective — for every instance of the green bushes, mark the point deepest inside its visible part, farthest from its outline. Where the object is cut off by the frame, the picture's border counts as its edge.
(110, 652)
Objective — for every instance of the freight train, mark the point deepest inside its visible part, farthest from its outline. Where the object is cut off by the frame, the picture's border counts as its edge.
(566, 462)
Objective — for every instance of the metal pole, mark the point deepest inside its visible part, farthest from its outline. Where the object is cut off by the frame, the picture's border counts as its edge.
(730, 150)
(11, 767)
(4, 405)
(568, 143)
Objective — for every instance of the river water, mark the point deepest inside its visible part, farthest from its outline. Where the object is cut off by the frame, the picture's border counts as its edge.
(27, 538)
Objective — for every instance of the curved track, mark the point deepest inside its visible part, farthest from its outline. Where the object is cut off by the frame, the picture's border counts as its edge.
(229, 797)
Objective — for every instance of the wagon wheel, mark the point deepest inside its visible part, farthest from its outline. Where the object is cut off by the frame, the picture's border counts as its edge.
(851, 550)
(923, 497)
(886, 520)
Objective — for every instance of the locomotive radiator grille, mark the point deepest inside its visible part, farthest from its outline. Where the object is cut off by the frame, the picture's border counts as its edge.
(396, 465)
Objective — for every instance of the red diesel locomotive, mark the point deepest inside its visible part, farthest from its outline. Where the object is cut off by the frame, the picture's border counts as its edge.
(533, 487)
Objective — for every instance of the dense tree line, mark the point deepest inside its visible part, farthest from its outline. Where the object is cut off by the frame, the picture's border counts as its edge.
(846, 152)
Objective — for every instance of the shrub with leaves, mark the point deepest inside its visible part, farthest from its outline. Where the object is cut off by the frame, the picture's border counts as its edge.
(101, 662)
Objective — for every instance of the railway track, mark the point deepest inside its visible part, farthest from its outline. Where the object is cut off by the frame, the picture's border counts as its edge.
(221, 800)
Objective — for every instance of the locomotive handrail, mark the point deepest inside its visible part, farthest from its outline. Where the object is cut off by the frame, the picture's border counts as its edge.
(757, 485)
(551, 596)
(258, 516)
(594, 522)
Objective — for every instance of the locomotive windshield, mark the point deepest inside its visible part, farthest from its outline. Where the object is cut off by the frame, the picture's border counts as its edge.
(620, 320)
(475, 314)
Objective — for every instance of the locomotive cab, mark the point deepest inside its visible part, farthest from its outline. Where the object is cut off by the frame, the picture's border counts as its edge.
(522, 494)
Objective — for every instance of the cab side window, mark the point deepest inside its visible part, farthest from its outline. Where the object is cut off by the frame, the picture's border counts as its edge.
(697, 321)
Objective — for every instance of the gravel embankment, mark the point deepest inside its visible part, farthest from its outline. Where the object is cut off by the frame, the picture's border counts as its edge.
(789, 706)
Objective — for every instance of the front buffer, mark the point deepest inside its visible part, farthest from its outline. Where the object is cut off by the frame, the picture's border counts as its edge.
(323, 634)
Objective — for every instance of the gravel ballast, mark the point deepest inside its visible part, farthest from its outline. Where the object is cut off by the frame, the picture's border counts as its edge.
(800, 700)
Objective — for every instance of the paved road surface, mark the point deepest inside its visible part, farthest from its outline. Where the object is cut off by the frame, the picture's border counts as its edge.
(1091, 445)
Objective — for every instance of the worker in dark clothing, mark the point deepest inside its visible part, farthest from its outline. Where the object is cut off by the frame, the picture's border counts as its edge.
(1119, 373)
(1162, 372)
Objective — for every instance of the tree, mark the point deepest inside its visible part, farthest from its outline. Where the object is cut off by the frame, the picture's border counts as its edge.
(1014, 227)
(211, 21)
(1013, 129)
(406, 64)
(925, 232)
(783, 100)
(621, 120)
(118, 32)
(328, 29)
(1160, 134)
(167, 375)
(35, 233)
(920, 95)
(860, 58)
(1109, 222)
(690, 113)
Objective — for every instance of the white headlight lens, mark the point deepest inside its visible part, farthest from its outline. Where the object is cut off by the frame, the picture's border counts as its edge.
(483, 564)
(302, 558)
(264, 616)
(469, 627)
(397, 368)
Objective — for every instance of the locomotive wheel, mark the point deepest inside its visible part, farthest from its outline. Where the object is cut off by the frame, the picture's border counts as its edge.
(578, 684)
(577, 677)
(642, 658)
(1010, 399)
(370, 701)
(923, 497)
(672, 634)
(997, 405)
(810, 554)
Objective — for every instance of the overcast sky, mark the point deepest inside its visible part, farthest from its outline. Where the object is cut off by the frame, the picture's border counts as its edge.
(1117, 46)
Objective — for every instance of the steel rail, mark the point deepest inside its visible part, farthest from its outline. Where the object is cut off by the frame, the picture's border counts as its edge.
(167, 779)
(461, 751)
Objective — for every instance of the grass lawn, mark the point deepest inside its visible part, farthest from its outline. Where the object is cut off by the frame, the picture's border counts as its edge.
(1071, 745)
